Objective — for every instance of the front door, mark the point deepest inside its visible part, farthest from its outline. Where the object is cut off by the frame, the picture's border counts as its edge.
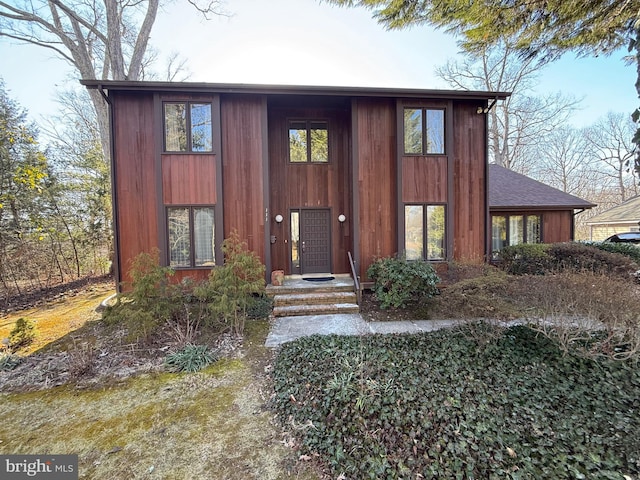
(315, 241)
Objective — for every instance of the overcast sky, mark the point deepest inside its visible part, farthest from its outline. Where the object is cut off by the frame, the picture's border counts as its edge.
(303, 42)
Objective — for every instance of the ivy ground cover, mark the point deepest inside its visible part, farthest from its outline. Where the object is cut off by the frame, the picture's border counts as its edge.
(449, 404)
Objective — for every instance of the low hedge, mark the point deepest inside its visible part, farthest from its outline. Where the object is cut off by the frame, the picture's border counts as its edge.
(628, 249)
(539, 259)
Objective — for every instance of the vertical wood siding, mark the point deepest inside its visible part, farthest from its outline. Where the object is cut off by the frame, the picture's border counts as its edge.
(556, 226)
(134, 182)
(424, 179)
(189, 179)
(469, 183)
(376, 146)
(242, 169)
(304, 185)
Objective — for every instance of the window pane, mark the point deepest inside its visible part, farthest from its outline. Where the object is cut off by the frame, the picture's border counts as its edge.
(435, 232)
(516, 229)
(435, 131)
(179, 244)
(413, 130)
(498, 233)
(533, 229)
(201, 127)
(319, 142)
(175, 127)
(295, 239)
(413, 232)
(204, 236)
(297, 142)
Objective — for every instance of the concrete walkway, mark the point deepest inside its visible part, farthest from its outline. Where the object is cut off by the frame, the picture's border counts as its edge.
(286, 329)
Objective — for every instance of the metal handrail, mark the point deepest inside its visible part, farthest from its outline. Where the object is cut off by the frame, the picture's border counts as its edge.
(356, 279)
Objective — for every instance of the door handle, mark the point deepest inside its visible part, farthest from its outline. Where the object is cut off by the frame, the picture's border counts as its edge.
(304, 246)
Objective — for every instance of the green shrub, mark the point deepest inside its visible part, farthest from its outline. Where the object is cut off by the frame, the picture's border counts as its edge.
(629, 249)
(221, 301)
(23, 333)
(190, 359)
(397, 281)
(259, 307)
(525, 259)
(231, 287)
(149, 301)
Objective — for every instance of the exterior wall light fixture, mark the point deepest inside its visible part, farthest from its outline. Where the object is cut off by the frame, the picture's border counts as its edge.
(341, 218)
(279, 218)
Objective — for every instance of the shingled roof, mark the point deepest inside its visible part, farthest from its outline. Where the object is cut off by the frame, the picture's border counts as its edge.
(509, 190)
(626, 212)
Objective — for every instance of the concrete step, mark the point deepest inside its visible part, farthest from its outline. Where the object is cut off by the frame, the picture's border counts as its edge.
(314, 298)
(310, 288)
(295, 284)
(317, 309)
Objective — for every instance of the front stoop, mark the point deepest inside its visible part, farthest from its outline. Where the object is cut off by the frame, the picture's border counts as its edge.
(299, 297)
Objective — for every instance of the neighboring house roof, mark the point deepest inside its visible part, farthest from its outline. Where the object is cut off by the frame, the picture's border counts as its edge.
(509, 190)
(187, 87)
(626, 212)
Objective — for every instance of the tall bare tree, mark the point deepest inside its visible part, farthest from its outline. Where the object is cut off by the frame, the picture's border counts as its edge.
(102, 39)
(610, 139)
(566, 162)
(519, 122)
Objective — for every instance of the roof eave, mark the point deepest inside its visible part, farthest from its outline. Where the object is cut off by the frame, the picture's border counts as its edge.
(187, 87)
(513, 208)
(613, 222)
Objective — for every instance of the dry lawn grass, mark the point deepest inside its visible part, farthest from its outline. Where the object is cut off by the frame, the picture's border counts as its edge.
(59, 317)
(209, 425)
(199, 426)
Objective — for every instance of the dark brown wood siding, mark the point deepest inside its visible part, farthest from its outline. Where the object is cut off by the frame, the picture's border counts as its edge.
(469, 183)
(424, 179)
(375, 136)
(243, 150)
(557, 226)
(134, 177)
(306, 185)
(189, 179)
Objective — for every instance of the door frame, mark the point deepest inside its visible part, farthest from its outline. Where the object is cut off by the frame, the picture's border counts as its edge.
(300, 270)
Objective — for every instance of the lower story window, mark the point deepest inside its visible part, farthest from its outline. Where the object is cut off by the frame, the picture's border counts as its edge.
(191, 236)
(424, 234)
(514, 229)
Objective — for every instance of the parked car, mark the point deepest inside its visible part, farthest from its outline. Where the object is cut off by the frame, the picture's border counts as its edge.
(626, 237)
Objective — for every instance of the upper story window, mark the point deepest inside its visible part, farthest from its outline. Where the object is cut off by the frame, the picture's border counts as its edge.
(423, 131)
(187, 127)
(308, 141)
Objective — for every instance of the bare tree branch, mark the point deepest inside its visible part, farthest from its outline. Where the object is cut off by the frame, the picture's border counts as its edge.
(102, 39)
(59, 51)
